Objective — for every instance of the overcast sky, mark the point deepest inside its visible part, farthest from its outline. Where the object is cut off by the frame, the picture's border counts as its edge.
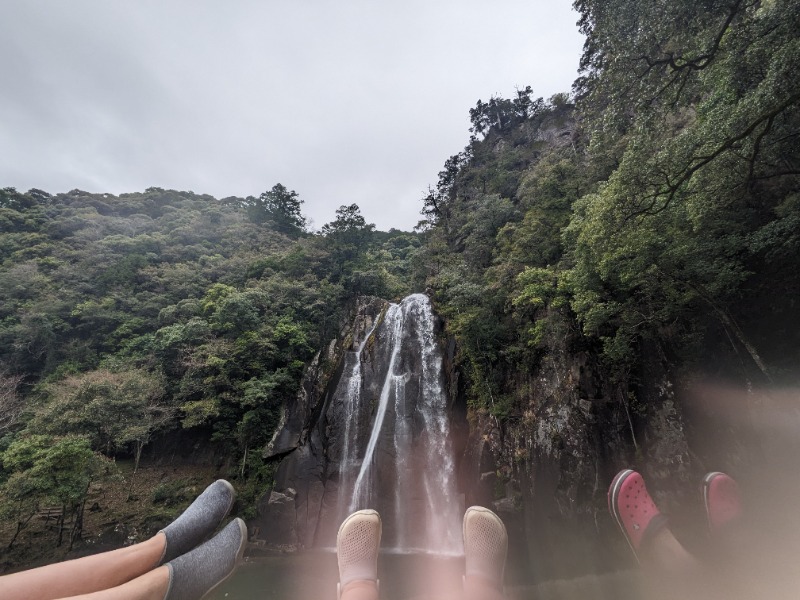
(341, 100)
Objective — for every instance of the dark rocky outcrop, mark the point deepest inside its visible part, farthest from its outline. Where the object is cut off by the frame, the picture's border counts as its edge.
(554, 461)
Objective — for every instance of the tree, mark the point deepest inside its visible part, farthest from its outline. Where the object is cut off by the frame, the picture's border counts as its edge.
(11, 198)
(437, 204)
(113, 410)
(280, 207)
(699, 105)
(348, 223)
(348, 237)
(45, 470)
(501, 114)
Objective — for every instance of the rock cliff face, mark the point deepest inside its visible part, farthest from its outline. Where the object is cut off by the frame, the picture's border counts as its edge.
(365, 432)
(547, 470)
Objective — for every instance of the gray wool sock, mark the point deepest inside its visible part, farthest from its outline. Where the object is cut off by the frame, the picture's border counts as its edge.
(193, 575)
(198, 521)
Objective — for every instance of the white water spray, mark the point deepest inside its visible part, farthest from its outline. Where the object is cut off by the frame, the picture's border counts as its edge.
(352, 408)
(362, 488)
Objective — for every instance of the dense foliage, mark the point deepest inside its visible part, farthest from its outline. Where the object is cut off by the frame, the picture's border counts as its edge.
(124, 318)
(660, 204)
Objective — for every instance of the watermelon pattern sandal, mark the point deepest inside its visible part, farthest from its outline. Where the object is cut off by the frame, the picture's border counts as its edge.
(634, 510)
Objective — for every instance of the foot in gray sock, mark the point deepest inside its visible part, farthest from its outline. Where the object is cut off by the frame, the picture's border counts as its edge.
(196, 573)
(198, 521)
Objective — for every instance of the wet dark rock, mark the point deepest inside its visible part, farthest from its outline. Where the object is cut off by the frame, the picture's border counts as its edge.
(278, 512)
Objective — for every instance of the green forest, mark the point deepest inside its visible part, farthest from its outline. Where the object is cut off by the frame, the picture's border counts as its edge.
(655, 207)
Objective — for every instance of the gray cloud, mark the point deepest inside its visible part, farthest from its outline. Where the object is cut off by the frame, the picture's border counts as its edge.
(347, 101)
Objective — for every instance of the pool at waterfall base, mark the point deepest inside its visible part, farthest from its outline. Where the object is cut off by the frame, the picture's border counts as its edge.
(313, 575)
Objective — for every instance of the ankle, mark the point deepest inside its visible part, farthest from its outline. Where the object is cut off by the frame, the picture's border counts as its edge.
(665, 553)
(157, 547)
(161, 580)
(482, 583)
(482, 588)
(359, 589)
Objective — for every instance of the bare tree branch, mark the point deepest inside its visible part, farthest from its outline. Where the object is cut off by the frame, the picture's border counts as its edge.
(666, 196)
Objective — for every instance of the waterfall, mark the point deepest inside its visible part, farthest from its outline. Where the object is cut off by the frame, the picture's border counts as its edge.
(407, 470)
(350, 388)
(363, 485)
(439, 476)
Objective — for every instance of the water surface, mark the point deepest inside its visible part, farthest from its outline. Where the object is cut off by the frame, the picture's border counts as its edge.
(313, 576)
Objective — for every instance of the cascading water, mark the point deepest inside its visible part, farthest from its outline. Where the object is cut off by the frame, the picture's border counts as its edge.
(350, 388)
(362, 490)
(439, 479)
(407, 468)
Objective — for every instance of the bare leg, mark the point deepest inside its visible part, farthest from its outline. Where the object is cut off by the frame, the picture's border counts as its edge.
(360, 590)
(479, 588)
(673, 573)
(666, 554)
(107, 575)
(150, 586)
(85, 575)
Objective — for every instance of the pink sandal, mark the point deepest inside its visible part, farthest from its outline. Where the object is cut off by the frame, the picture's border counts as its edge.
(633, 509)
(721, 499)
